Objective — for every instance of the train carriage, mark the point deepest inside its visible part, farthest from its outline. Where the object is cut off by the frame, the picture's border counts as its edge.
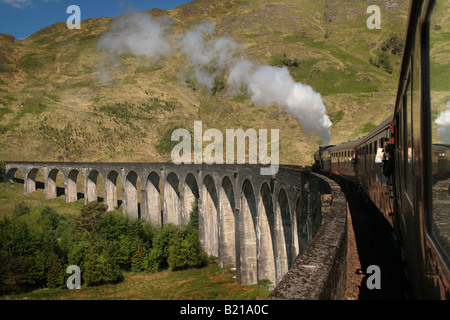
(416, 198)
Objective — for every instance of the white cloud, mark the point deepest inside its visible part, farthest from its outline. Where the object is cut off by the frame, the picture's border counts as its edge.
(20, 4)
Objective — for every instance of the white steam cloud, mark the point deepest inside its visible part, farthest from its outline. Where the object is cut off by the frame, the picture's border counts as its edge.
(141, 35)
(268, 85)
(209, 58)
(138, 34)
(443, 121)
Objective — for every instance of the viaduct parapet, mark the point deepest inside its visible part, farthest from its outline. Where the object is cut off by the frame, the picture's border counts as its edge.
(289, 228)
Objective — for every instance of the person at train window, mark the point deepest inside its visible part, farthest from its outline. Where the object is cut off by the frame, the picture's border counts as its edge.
(353, 158)
(388, 160)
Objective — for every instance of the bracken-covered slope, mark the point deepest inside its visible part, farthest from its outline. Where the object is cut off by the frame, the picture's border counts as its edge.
(65, 98)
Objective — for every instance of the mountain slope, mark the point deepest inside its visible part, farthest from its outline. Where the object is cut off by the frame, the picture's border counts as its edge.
(62, 98)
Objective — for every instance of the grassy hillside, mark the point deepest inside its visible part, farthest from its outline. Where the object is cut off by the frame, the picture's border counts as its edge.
(209, 283)
(62, 99)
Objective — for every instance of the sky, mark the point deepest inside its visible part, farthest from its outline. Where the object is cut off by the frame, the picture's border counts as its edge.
(22, 18)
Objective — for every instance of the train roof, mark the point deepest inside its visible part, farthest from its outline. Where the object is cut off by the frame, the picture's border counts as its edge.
(347, 145)
(355, 143)
(322, 148)
(382, 126)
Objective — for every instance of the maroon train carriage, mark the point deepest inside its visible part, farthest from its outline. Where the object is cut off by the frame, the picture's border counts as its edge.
(415, 199)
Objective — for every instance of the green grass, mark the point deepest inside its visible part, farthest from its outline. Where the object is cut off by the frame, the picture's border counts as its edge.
(30, 62)
(345, 80)
(145, 69)
(208, 283)
(4, 111)
(337, 117)
(13, 193)
(367, 127)
(31, 107)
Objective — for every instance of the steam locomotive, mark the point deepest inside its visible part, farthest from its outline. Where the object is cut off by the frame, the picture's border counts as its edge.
(415, 198)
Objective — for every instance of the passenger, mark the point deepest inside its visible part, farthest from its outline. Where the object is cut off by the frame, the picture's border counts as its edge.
(388, 160)
(353, 159)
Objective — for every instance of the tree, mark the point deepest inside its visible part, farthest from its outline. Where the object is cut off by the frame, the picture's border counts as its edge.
(55, 272)
(195, 256)
(90, 217)
(139, 254)
(52, 216)
(21, 209)
(156, 259)
(186, 251)
(99, 267)
(177, 259)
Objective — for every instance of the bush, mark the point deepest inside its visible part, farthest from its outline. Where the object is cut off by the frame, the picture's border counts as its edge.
(165, 143)
(178, 254)
(139, 254)
(191, 249)
(21, 209)
(91, 214)
(52, 216)
(100, 268)
(159, 254)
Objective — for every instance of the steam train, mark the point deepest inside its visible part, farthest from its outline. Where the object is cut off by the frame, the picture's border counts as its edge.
(415, 198)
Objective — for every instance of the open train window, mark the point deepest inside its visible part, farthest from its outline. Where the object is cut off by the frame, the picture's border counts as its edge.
(439, 71)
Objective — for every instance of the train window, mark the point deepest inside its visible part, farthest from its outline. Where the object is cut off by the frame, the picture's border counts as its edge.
(399, 132)
(407, 107)
(439, 57)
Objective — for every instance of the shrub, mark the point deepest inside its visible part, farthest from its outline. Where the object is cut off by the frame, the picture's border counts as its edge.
(90, 217)
(21, 209)
(161, 245)
(139, 254)
(100, 267)
(165, 143)
(53, 217)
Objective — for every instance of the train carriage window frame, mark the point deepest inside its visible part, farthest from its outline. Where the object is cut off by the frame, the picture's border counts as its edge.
(408, 137)
(442, 241)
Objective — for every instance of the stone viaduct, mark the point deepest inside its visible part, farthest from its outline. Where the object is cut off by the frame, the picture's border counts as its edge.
(288, 228)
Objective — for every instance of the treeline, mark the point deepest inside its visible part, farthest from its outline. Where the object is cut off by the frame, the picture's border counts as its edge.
(37, 248)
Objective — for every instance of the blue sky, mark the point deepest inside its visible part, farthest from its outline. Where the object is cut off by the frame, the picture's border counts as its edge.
(21, 18)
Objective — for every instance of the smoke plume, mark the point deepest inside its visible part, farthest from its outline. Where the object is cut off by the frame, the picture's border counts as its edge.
(137, 34)
(208, 58)
(141, 35)
(268, 85)
(443, 121)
